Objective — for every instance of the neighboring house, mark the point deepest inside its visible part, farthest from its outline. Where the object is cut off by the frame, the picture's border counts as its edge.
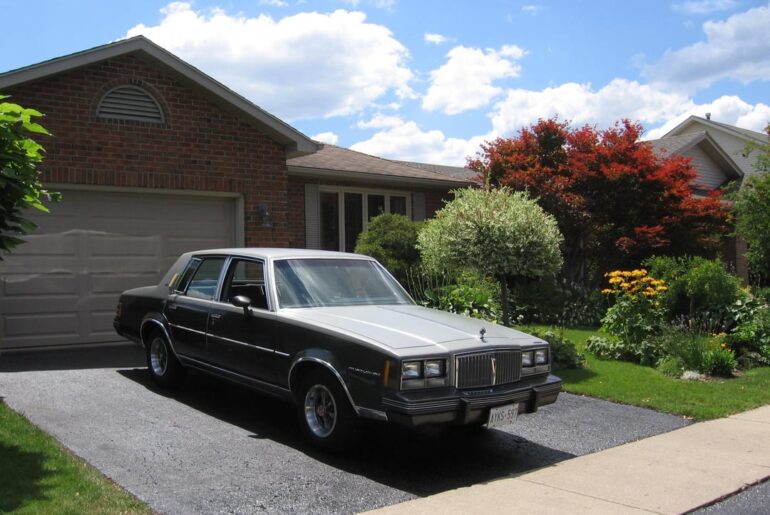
(154, 158)
(717, 152)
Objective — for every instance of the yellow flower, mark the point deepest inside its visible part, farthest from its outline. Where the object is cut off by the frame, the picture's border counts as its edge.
(616, 280)
(607, 291)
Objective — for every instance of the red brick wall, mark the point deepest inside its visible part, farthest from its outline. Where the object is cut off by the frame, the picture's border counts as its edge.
(200, 147)
(433, 202)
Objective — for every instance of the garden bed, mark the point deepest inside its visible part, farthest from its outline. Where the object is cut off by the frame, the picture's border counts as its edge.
(639, 385)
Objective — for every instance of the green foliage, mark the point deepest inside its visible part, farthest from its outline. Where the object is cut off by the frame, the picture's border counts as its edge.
(752, 215)
(564, 353)
(20, 186)
(670, 366)
(543, 301)
(751, 335)
(698, 289)
(466, 294)
(633, 321)
(391, 239)
(645, 352)
(492, 232)
(719, 363)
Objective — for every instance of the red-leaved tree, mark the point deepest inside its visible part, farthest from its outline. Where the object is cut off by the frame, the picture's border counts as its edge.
(615, 200)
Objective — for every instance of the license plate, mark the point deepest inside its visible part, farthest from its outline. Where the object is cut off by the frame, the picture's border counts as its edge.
(503, 415)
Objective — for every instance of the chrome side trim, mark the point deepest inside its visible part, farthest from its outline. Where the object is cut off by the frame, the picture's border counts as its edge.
(183, 328)
(249, 345)
(373, 414)
(333, 371)
(204, 365)
(282, 354)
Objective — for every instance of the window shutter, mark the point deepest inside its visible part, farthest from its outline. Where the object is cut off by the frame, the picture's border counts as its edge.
(418, 206)
(130, 103)
(312, 217)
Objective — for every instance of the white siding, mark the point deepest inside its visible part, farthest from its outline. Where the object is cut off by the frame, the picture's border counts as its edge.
(709, 174)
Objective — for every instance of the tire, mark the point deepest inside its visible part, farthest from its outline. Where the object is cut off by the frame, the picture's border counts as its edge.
(325, 415)
(163, 365)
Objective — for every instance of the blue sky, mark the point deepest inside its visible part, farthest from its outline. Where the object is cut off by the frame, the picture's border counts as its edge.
(431, 80)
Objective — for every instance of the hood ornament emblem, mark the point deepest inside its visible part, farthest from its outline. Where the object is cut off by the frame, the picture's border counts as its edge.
(482, 332)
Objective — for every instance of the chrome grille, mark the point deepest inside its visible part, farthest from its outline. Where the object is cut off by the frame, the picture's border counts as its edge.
(487, 368)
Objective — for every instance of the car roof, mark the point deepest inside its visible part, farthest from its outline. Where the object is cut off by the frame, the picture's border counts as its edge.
(277, 253)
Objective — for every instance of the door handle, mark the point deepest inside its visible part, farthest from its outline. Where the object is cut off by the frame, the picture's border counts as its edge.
(216, 316)
(172, 307)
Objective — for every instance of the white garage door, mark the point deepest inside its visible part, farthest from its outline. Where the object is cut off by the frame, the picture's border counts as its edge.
(61, 287)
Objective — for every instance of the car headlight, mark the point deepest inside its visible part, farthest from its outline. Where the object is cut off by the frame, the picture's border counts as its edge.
(411, 370)
(434, 368)
(526, 358)
(541, 357)
(424, 373)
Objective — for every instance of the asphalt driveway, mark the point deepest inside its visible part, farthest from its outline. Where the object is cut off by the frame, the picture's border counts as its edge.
(212, 447)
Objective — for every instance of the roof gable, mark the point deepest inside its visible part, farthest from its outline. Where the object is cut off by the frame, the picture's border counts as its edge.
(295, 142)
(696, 123)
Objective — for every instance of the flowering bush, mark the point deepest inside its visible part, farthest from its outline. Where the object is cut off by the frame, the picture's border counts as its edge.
(637, 314)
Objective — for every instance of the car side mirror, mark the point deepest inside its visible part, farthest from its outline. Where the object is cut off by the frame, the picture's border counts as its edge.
(241, 301)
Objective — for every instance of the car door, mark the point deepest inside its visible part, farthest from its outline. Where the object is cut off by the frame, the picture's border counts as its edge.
(187, 309)
(242, 339)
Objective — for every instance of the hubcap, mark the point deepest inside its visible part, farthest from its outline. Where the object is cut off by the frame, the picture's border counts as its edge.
(320, 411)
(158, 356)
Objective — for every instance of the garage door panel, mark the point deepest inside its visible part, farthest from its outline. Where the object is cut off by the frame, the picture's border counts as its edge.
(53, 244)
(61, 287)
(26, 285)
(31, 324)
(123, 245)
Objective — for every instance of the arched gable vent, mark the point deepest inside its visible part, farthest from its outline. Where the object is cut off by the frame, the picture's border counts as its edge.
(130, 103)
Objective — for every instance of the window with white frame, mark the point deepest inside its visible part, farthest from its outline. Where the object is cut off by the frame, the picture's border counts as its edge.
(345, 213)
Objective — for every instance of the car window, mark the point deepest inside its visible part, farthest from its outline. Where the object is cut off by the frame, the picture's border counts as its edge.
(181, 284)
(203, 284)
(246, 278)
(305, 283)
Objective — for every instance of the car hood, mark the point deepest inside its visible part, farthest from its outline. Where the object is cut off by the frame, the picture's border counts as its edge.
(407, 327)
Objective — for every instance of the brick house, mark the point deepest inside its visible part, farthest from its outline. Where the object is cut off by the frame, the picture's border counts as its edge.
(155, 158)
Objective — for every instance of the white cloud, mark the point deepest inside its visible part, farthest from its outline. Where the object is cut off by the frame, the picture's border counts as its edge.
(379, 121)
(705, 6)
(274, 3)
(300, 66)
(728, 109)
(531, 9)
(465, 81)
(581, 104)
(384, 4)
(736, 48)
(406, 141)
(436, 39)
(327, 137)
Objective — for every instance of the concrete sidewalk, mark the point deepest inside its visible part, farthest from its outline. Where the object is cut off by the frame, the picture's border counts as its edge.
(669, 473)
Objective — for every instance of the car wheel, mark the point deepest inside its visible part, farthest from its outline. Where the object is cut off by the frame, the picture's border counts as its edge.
(325, 414)
(165, 369)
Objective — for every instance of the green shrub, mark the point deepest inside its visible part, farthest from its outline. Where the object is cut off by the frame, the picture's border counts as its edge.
(645, 352)
(762, 293)
(670, 366)
(719, 363)
(685, 345)
(391, 239)
(563, 351)
(698, 288)
(465, 294)
(543, 301)
(751, 335)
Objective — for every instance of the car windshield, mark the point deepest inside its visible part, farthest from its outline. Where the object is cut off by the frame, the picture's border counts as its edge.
(308, 283)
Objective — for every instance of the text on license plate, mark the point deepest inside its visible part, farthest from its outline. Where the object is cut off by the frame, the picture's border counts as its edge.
(503, 415)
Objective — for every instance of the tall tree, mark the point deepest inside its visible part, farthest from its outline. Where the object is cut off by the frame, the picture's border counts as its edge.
(20, 186)
(616, 202)
(752, 213)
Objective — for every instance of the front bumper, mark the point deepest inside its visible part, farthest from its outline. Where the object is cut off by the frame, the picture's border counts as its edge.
(454, 406)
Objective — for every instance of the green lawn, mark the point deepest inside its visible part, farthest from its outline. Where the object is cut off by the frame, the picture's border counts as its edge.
(644, 386)
(37, 475)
